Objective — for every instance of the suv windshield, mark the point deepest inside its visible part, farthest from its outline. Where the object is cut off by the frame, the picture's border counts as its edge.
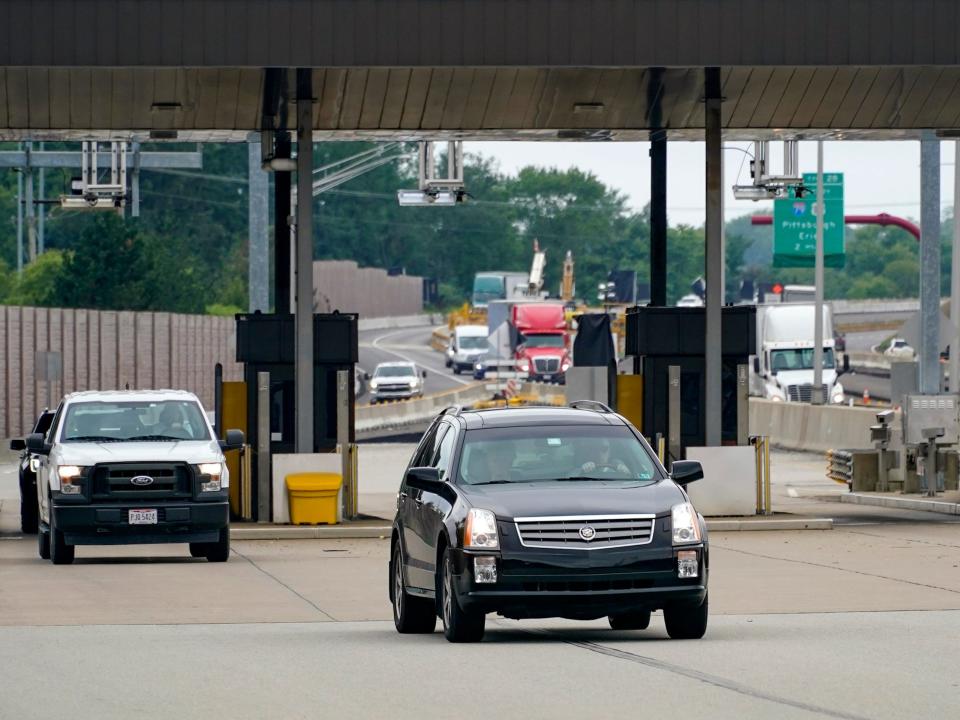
(395, 371)
(134, 421)
(551, 453)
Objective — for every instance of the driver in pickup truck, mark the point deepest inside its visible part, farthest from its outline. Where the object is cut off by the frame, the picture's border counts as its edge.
(171, 422)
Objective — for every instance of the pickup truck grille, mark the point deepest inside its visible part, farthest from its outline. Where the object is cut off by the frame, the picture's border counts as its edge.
(803, 393)
(569, 533)
(546, 364)
(169, 480)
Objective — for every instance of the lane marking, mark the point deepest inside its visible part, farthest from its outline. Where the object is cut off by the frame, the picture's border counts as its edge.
(708, 678)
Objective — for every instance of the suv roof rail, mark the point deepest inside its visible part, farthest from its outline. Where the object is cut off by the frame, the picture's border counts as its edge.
(594, 405)
(452, 410)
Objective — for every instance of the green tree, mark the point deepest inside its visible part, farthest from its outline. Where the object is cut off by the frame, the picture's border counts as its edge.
(39, 283)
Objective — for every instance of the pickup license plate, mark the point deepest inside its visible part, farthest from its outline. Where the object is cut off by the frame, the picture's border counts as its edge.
(143, 517)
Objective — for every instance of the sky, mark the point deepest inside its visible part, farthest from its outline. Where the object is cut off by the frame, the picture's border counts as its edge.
(878, 176)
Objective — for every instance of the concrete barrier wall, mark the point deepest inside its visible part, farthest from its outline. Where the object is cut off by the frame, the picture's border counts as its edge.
(798, 426)
(106, 350)
(406, 412)
(343, 285)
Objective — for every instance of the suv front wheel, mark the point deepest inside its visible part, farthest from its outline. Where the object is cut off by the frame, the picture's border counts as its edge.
(459, 625)
(686, 622)
(411, 615)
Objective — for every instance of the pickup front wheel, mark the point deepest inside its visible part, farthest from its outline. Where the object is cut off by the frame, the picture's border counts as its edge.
(219, 551)
(60, 552)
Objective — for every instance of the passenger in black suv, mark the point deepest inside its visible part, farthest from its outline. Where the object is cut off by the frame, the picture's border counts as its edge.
(500, 512)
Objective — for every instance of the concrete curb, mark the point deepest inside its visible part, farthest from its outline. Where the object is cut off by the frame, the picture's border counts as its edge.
(735, 525)
(900, 503)
(339, 532)
(310, 532)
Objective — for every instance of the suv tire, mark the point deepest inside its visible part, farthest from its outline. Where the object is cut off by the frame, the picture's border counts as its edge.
(411, 615)
(43, 543)
(686, 622)
(459, 625)
(637, 620)
(218, 551)
(198, 550)
(29, 514)
(60, 552)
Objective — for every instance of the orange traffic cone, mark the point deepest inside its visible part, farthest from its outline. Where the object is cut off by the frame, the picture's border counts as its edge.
(866, 396)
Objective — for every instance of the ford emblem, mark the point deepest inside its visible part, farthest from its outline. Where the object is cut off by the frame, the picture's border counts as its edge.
(142, 480)
(587, 533)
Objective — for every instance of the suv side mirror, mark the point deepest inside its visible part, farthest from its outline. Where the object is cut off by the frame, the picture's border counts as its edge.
(424, 478)
(686, 471)
(18, 445)
(233, 441)
(36, 443)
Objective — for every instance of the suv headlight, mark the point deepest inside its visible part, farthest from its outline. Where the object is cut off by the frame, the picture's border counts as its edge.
(210, 474)
(70, 477)
(686, 524)
(480, 530)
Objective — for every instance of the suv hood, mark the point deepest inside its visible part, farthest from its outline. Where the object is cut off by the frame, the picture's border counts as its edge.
(590, 497)
(187, 451)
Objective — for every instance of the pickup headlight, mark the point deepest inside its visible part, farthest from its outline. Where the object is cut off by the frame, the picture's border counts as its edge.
(374, 384)
(70, 477)
(210, 475)
(686, 524)
(480, 530)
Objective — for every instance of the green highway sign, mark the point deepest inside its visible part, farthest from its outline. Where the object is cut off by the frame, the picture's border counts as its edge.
(795, 225)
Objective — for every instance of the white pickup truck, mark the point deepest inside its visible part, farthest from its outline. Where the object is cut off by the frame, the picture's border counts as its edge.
(130, 467)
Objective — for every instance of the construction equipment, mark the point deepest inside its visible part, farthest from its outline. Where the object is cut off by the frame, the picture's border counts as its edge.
(537, 267)
(568, 286)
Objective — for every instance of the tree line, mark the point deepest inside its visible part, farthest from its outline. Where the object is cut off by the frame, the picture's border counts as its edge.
(187, 252)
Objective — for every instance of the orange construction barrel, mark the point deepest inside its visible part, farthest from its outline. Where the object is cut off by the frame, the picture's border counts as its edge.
(313, 497)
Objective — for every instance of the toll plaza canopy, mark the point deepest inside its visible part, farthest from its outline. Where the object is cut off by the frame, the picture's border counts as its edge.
(570, 69)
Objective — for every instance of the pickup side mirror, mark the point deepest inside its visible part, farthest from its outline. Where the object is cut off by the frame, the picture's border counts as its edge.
(756, 365)
(233, 441)
(424, 374)
(686, 471)
(424, 478)
(366, 376)
(846, 363)
(18, 445)
(36, 443)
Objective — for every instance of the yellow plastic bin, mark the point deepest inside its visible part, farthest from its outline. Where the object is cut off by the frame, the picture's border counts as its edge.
(313, 497)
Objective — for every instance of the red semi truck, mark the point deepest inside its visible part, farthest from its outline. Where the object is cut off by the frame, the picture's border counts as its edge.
(543, 342)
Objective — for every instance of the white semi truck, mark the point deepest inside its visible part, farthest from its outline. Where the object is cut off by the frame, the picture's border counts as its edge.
(782, 368)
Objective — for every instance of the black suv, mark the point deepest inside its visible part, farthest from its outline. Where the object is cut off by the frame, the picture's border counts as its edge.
(545, 512)
(28, 475)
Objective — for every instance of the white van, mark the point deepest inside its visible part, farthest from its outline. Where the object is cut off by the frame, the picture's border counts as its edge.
(467, 344)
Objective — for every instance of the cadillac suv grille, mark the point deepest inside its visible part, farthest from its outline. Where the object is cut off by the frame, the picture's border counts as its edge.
(585, 532)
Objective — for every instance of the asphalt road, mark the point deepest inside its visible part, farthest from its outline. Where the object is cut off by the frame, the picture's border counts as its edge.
(413, 345)
(857, 622)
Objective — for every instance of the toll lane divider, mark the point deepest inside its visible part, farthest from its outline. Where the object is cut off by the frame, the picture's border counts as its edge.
(814, 428)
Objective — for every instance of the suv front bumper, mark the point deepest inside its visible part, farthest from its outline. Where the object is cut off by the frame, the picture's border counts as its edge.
(539, 584)
(108, 523)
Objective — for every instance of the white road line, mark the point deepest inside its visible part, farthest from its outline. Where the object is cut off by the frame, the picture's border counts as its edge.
(402, 356)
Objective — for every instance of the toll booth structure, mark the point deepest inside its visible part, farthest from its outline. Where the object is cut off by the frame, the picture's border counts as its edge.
(664, 337)
(267, 343)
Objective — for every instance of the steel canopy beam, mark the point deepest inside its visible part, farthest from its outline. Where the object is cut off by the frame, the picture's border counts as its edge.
(64, 159)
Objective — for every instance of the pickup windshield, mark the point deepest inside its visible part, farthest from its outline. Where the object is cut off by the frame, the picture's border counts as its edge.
(584, 453)
(134, 421)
